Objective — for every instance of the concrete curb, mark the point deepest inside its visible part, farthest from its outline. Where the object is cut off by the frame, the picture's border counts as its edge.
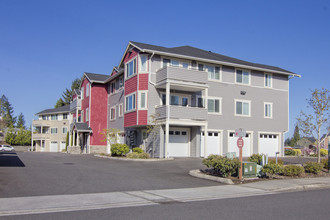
(303, 187)
(136, 160)
(199, 174)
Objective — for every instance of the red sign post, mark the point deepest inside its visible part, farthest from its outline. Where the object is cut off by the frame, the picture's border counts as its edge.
(240, 145)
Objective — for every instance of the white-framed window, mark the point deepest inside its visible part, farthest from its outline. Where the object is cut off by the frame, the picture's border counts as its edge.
(113, 87)
(45, 117)
(200, 102)
(242, 108)
(213, 72)
(243, 76)
(268, 109)
(121, 82)
(143, 63)
(54, 117)
(113, 113)
(214, 105)
(131, 68)
(87, 114)
(142, 100)
(65, 115)
(53, 130)
(82, 93)
(64, 130)
(82, 116)
(120, 113)
(130, 102)
(176, 63)
(268, 80)
(87, 89)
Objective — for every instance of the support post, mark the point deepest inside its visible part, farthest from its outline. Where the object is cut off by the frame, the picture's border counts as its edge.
(167, 124)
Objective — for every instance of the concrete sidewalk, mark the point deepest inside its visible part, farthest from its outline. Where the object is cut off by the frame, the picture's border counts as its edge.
(63, 203)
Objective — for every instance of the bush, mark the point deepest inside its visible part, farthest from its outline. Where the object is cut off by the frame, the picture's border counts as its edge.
(138, 155)
(325, 163)
(257, 158)
(273, 161)
(223, 166)
(137, 150)
(119, 150)
(297, 152)
(323, 152)
(272, 168)
(293, 170)
(313, 167)
(289, 152)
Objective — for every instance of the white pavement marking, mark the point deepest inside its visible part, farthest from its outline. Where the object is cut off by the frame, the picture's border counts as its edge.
(79, 202)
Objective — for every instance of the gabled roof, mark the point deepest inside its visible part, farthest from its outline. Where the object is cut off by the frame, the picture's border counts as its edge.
(97, 78)
(193, 53)
(63, 109)
(80, 126)
(77, 92)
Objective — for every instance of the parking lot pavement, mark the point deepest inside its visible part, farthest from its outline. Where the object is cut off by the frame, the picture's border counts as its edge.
(61, 174)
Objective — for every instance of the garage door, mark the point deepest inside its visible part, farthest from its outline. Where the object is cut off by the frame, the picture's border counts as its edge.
(268, 144)
(232, 144)
(213, 144)
(53, 146)
(178, 143)
(63, 143)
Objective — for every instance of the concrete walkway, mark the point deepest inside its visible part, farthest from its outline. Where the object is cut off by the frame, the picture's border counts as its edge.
(63, 203)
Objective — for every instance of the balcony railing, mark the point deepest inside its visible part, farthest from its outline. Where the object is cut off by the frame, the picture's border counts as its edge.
(75, 104)
(182, 75)
(182, 112)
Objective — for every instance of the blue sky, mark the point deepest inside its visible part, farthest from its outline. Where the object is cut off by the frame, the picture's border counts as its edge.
(45, 45)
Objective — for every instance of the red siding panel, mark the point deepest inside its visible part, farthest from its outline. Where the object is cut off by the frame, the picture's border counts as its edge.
(131, 55)
(130, 119)
(131, 85)
(143, 81)
(143, 117)
(85, 101)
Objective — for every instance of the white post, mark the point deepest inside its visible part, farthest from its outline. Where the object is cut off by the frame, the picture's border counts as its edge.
(167, 125)
(205, 130)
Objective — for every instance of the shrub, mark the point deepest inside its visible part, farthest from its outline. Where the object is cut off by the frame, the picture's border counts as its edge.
(119, 150)
(272, 168)
(257, 158)
(325, 163)
(137, 150)
(293, 170)
(138, 155)
(222, 165)
(297, 152)
(289, 152)
(313, 167)
(273, 161)
(323, 152)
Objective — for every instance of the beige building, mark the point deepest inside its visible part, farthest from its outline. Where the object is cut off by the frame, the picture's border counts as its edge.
(50, 130)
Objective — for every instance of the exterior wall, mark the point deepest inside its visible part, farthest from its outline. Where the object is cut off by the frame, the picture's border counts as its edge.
(130, 119)
(114, 100)
(143, 117)
(143, 81)
(85, 100)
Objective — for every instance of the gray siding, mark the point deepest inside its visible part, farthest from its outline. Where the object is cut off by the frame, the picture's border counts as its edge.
(115, 100)
(182, 112)
(181, 74)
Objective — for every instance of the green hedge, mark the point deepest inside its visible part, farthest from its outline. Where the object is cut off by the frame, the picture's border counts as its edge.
(313, 167)
(293, 170)
(257, 158)
(137, 150)
(272, 168)
(223, 166)
(118, 150)
(273, 161)
(138, 155)
(289, 152)
(323, 152)
(325, 164)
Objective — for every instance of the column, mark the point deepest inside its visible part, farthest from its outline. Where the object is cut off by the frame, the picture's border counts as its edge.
(167, 125)
(205, 127)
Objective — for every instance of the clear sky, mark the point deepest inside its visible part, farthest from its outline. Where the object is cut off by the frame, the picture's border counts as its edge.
(46, 44)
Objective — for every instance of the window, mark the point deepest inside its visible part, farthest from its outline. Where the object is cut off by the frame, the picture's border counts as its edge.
(113, 87)
(82, 93)
(243, 77)
(176, 63)
(184, 101)
(65, 116)
(143, 63)
(268, 80)
(166, 62)
(54, 117)
(174, 100)
(82, 116)
(242, 108)
(142, 100)
(213, 72)
(87, 115)
(200, 102)
(113, 113)
(64, 130)
(268, 110)
(53, 130)
(131, 68)
(45, 117)
(120, 110)
(121, 82)
(130, 103)
(87, 90)
(214, 105)
(164, 99)
(200, 67)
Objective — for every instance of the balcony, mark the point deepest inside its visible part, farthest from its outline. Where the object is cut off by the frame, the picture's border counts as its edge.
(182, 112)
(75, 104)
(42, 123)
(182, 79)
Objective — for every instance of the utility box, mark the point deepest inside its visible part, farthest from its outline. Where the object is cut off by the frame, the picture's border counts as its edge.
(231, 155)
(249, 169)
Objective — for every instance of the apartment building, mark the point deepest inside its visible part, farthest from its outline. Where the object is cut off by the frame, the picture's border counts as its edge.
(197, 99)
(50, 129)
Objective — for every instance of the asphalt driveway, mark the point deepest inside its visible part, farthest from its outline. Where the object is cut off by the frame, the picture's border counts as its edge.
(36, 174)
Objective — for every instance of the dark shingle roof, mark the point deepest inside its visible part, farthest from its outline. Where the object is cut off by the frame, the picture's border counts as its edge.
(77, 91)
(81, 126)
(95, 77)
(208, 55)
(62, 109)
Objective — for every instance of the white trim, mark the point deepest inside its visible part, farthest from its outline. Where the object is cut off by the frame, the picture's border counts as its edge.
(251, 136)
(87, 115)
(274, 133)
(242, 83)
(243, 101)
(271, 110)
(134, 109)
(51, 130)
(271, 80)
(136, 68)
(140, 63)
(145, 100)
(180, 95)
(122, 110)
(181, 61)
(114, 116)
(220, 105)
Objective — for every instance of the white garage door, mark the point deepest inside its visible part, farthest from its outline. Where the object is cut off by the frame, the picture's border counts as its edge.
(232, 144)
(268, 144)
(178, 143)
(213, 144)
(53, 146)
(63, 143)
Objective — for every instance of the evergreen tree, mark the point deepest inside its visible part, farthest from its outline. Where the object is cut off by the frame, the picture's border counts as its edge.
(296, 137)
(68, 93)
(59, 103)
(7, 112)
(10, 136)
(20, 121)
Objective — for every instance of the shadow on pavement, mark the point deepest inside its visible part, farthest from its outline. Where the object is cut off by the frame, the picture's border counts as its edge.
(10, 159)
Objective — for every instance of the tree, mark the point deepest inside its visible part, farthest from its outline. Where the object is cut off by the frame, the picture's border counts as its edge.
(20, 121)
(287, 141)
(7, 112)
(10, 136)
(296, 137)
(68, 93)
(59, 103)
(110, 135)
(153, 129)
(312, 124)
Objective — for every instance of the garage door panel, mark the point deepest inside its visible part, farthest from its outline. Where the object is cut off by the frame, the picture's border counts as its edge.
(53, 146)
(232, 144)
(213, 144)
(268, 144)
(178, 143)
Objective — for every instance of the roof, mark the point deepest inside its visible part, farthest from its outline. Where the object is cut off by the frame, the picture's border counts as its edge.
(207, 56)
(81, 127)
(95, 77)
(77, 91)
(62, 109)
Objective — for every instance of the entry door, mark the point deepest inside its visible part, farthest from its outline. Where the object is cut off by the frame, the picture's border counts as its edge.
(213, 144)
(178, 142)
